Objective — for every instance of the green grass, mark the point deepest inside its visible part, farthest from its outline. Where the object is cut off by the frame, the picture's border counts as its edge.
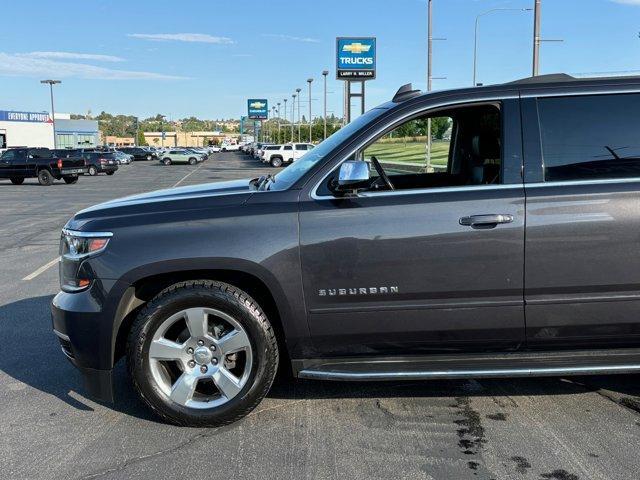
(410, 152)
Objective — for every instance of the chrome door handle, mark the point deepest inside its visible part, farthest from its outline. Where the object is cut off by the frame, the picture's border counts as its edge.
(486, 221)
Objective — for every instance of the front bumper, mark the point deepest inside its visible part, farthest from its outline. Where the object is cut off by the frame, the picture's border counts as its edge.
(83, 322)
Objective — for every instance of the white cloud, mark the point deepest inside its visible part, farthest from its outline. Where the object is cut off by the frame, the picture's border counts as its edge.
(183, 37)
(628, 2)
(21, 66)
(291, 38)
(72, 56)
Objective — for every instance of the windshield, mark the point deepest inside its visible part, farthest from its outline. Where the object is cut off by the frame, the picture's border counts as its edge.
(297, 169)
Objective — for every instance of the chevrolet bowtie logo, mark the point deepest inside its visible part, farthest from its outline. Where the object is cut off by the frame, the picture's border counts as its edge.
(257, 105)
(356, 48)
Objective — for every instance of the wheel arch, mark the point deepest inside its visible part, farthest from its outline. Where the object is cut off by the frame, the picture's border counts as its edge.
(266, 291)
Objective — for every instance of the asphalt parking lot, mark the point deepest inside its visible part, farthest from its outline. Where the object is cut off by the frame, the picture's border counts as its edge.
(549, 428)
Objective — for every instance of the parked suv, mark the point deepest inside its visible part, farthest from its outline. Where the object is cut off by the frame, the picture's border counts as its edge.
(287, 153)
(377, 256)
(180, 156)
(101, 162)
(140, 153)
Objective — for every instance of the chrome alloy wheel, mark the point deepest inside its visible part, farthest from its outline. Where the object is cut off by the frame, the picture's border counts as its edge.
(200, 357)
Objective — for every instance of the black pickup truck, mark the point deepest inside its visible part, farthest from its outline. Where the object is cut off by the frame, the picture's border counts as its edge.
(510, 250)
(16, 164)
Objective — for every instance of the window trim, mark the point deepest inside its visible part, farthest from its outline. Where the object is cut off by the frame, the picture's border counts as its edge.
(408, 117)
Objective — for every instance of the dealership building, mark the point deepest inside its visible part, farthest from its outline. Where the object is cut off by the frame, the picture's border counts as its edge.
(35, 129)
(76, 133)
(25, 129)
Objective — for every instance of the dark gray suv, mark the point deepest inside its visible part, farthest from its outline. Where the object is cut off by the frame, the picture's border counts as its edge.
(484, 232)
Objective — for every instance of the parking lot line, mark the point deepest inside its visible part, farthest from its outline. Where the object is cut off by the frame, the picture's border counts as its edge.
(187, 175)
(41, 270)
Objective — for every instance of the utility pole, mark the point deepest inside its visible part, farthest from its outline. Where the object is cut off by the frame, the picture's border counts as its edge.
(536, 37)
(324, 113)
(51, 83)
(298, 90)
(309, 80)
(429, 64)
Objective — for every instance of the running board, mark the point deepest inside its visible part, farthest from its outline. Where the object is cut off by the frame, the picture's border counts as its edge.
(471, 366)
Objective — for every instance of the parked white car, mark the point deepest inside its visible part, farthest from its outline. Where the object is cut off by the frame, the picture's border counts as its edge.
(287, 153)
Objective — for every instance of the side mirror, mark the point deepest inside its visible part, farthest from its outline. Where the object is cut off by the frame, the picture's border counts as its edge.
(353, 174)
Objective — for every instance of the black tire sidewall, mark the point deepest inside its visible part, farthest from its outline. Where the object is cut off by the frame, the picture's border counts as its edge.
(17, 180)
(45, 178)
(201, 296)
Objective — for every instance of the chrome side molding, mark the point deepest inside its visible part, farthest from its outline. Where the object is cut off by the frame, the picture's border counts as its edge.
(318, 374)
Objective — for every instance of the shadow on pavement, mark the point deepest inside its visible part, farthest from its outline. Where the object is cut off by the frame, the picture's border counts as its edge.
(31, 355)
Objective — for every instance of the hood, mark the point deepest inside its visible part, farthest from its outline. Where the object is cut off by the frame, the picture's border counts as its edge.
(219, 194)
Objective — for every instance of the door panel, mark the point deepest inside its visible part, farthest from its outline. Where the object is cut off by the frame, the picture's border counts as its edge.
(582, 246)
(583, 265)
(397, 273)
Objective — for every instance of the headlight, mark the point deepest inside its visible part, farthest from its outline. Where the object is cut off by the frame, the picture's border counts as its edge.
(74, 248)
(76, 245)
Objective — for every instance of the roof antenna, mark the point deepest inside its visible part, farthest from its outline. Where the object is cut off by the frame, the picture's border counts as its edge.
(405, 92)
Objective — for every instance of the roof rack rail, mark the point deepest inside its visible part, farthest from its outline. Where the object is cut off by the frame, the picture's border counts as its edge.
(552, 77)
(405, 92)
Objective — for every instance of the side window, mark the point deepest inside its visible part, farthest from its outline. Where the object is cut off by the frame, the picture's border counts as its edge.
(9, 155)
(287, 147)
(301, 146)
(465, 150)
(590, 137)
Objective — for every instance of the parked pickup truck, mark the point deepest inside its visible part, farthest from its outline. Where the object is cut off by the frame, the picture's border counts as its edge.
(518, 256)
(16, 164)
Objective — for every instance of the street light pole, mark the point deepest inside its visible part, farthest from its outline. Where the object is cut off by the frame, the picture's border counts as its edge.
(475, 35)
(309, 80)
(298, 90)
(536, 37)
(293, 114)
(51, 83)
(278, 122)
(324, 113)
(285, 117)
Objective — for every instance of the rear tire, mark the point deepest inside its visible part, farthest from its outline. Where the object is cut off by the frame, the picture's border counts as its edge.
(149, 157)
(70, 180)
(180, 391)
(93, 171)
(193, 161)
(17, 180)
(45, 178)
(276, 162)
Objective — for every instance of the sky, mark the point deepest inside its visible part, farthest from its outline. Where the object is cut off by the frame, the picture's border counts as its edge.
(206, 57)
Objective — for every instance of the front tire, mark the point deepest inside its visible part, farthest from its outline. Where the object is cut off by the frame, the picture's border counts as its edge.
(93, 171)
(45, 178)
(111, 172)
(276, 162)
(70, 180)
(17, 180)
(167, 161)
(202, 354)
(193, 161)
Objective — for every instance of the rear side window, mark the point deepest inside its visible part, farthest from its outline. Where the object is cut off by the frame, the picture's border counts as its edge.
(590, 137)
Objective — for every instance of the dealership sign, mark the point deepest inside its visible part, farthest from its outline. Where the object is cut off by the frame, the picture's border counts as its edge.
(355, 58)
(257, 109)
(33, 117)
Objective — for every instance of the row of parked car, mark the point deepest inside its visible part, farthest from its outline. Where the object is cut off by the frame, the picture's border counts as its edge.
(48, 165)
(274, 154)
